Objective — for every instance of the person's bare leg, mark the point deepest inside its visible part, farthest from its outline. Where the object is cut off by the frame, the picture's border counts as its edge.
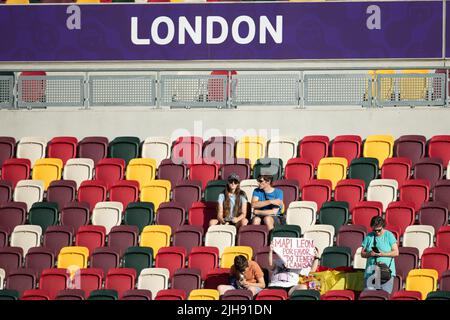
(213, 222)
(224, 288)
(256, 221)
(268, 221)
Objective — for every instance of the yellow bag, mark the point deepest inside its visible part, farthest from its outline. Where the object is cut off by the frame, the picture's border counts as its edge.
(339, 280)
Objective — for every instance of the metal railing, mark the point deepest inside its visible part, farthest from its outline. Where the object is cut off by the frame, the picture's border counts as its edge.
(43, 91)
(278, 89)
(338, 89)
(198, 91)
(122, 90)
(218, 91)
(6, 91)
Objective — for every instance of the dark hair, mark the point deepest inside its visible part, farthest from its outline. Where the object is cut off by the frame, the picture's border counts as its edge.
(237, 202)
(377, 221)
(240, 263)
(267, 178)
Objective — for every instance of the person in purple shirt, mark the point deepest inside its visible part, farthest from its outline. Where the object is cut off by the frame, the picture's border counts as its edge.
(267, 203)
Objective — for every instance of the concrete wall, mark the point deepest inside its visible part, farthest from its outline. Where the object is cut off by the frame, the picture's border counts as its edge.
(285, 121)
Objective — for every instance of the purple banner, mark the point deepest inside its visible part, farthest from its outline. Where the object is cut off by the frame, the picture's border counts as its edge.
(221, 31)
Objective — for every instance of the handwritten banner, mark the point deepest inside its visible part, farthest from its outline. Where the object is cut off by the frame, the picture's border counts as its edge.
(222, 31)
(296, 253)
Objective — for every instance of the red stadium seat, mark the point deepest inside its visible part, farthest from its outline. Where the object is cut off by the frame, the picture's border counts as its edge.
(255, 236)
(11, 258)
(63, 148)
(439, 147)
(364, 211)
(171, 258)
(443, 237)
(204, 258)
(407, 295)
(14, 170)
(203, 172)
(400, 214)
(272, 294)
(299, 169)
(398, 169)
(110, 170)
(437, 259)
(444, 283)
(338, 295)
(91, 237)
(70, 294)
(415, 191)
(121, 280)
(53, 280)
(171, 294)
(35, 294)
(201, 213)
(318, 191)
(350, 191)
(313, 148)
(378, 295)
(346, 146)
(91, 279)
(92, 191)
(124, 191)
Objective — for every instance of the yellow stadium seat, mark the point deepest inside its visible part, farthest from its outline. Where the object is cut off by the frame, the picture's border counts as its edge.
(88, 1)
(380, 147)
(156, 191)
(47, 170)
(422, 280)
(73, 256)
(204, 294)
(252, 148)
(142, 170)
(227, 259)
(155, 237)
(17, 2)
(333, 169)
(414, 88)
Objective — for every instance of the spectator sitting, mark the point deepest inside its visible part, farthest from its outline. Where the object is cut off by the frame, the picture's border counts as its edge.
(231, 209)
(244, 274)
(267, 203)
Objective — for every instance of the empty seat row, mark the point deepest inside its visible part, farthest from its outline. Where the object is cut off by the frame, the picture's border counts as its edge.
(191, 149)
